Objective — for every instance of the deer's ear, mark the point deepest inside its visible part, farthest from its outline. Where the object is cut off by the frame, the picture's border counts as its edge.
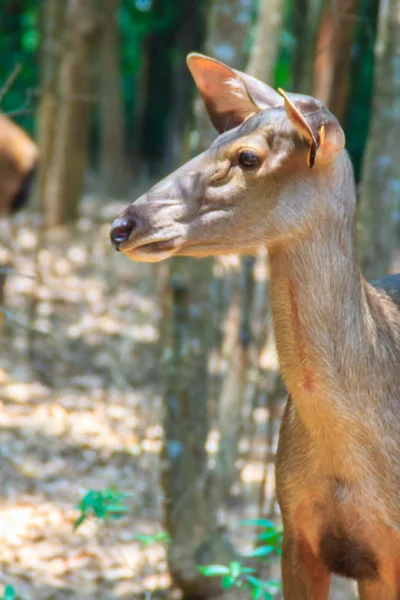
(229, 95)
(313, 121)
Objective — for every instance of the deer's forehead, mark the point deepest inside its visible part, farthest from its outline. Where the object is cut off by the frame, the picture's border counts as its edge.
(252, 125)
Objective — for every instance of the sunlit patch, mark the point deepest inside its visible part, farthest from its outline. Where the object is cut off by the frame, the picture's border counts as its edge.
(14, 523)
(27, 238)
(212, 443)
(252, 473)
(24, 392)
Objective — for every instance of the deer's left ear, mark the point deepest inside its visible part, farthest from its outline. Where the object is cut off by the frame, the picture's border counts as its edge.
(316, 125)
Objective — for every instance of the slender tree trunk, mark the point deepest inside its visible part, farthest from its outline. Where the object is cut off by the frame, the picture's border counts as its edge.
(65, 181)
(333, 55)
(112, 127)
(227, 27)
(52, 50)
(234, 386)
(298, 30)
(191, 499)
(308, 24)
(380, 188)
(266, 40)
(158, 97)
(189, 507)
(189, 36)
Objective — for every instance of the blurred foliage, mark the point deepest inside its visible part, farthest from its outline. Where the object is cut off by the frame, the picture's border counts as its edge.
(362, 72)
(288, 44)
(148, 540)
(237, 574)
(19, 45)
(137, 20)
(107, 504)
(149, 54)
(9, 593)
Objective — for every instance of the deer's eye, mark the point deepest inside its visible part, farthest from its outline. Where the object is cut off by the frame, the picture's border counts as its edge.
(248, 159)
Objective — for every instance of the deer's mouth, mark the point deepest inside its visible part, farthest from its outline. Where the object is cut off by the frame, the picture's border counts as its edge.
(148, 251)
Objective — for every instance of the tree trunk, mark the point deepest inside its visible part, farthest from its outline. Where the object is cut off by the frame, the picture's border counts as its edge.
(160, 50)
(191, 499)
(234, 386)
(266, 40)
(64, 185)
(308, 24)
(380, 189)
(297, 26)
(52, 50)
(190, 512)
(112, 126)
(190, 29)
(333, 55)
(227, 27)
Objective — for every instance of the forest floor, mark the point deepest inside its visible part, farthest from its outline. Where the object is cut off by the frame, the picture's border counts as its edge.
(80, 409)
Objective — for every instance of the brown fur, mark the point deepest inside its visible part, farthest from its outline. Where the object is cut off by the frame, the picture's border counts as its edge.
(338, 337)
(18, 159)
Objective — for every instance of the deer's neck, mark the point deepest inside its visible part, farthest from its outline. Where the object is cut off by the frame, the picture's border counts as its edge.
(322, 318)
(318, 306)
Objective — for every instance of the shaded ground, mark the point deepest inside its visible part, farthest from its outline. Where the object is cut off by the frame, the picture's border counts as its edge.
(80, 409)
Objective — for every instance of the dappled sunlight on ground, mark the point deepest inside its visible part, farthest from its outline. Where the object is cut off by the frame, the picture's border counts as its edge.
(80, 409)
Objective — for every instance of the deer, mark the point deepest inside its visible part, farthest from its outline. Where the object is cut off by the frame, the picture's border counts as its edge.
(278, 177)
(18, 164)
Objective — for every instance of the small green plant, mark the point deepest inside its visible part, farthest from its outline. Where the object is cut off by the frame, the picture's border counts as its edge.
(159, 538)
(270, 538)
(241, 576)
(107, 504)
(9, 593)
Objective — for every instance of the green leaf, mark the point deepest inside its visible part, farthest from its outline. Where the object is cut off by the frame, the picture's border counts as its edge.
(266, 523)
(270, 536)
(257, 593)
(227, 582)
(162, 537)
(115, 508)
(9, 593)
(235, 569)
(145, 539)
(213, 570)
(81, 519)
(87, 501)
(263, 589)
(260, 552)
(254, 581)
(247, 570)
(105, 504)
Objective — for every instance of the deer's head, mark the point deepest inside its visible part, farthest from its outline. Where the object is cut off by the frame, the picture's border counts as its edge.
(243, 192)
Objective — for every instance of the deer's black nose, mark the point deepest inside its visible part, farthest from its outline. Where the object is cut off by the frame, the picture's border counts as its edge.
(121, 229)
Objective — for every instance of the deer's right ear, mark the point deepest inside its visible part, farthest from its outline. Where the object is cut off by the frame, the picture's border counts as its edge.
(229, 95)
(316, 125)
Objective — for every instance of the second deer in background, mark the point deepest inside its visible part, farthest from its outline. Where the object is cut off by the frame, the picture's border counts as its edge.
(18, 164)
(279, 177)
